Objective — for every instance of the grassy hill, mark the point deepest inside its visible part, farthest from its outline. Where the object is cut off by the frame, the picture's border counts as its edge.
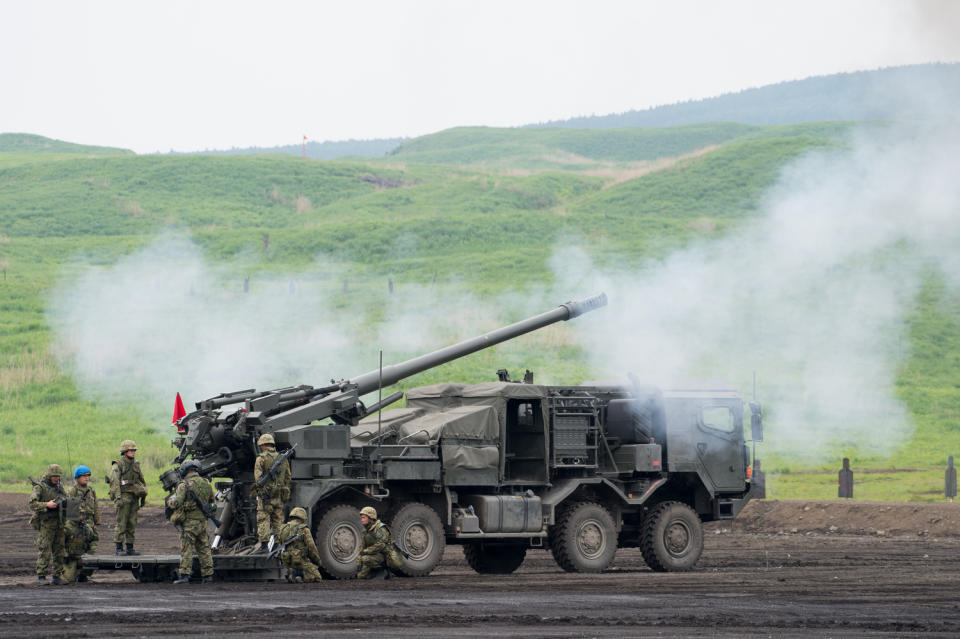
(860, 95)
(33, 144)
(475, 212)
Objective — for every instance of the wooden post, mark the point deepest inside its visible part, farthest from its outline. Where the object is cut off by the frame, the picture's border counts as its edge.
(846, 480)
(950, 481)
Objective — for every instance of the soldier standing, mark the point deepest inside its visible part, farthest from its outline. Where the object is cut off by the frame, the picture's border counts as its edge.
(377, 551)
(274, 492)
(45, 503)
(128, 490)
(300, 553)
(188, 516)
(81, 536)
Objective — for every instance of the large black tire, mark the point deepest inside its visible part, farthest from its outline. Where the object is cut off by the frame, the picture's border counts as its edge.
(672, 537)
(338, 533)
(417, 529)
(494, 559)
(584, 539)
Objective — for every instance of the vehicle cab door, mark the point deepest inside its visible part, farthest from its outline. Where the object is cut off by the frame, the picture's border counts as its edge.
(719, 443)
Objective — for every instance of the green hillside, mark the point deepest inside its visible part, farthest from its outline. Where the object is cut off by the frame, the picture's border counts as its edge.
(32, 144)
(582, 149)
(465, 211)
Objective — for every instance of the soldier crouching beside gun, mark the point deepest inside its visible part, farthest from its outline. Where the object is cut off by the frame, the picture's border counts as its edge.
(297, 549)
(81, 535)
(193, 497)
(45, 502)
(377, 553)
(128, 490)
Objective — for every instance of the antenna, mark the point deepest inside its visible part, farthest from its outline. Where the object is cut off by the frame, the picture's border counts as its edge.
(379, 400)
(69, 456)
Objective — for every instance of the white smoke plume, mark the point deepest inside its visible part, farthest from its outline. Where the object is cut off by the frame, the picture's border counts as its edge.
(164, 320)
(813, 297)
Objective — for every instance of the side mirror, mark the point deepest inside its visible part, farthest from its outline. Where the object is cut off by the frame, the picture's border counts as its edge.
(756, 422)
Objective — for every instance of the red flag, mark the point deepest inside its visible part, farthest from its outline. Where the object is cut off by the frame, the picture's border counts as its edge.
(178, 410)
(304, 138)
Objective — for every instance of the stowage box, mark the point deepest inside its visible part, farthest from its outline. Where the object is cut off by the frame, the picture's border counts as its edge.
(507, 513)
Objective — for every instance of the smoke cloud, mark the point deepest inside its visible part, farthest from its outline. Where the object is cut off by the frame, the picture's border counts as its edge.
(813, 297)
(164, 320)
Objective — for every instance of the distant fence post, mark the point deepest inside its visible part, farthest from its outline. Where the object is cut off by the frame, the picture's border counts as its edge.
(759, 479)
(950, 481)
(846, 480)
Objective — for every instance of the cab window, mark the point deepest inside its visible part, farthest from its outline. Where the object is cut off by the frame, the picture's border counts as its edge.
(718, 418)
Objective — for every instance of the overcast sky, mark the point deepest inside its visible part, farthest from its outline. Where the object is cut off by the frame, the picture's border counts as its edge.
(155, 76)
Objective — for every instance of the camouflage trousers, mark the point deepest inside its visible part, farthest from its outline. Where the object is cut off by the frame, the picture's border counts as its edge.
(72, 568)
(77, 545)
(297, 560)
(269, 518)
(127, 508)
(50, 548)
(80, 539)
(370, 564)
(195, 539)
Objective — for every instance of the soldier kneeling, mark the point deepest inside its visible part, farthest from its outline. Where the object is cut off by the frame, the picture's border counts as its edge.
(299, 550)
(377, 553)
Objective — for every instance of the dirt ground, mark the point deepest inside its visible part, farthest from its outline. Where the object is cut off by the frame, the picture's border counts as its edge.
(782, 569)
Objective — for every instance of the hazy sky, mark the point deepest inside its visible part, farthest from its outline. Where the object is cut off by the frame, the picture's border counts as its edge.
(154, 76)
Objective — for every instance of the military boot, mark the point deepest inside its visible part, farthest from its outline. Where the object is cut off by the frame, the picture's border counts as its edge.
(42, 580)
(57, 581)
(207, 580)
(182, 579)
(131, 551)
(119, 548)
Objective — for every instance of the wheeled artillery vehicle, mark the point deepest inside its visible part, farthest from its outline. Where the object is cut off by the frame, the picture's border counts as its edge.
(498, 468)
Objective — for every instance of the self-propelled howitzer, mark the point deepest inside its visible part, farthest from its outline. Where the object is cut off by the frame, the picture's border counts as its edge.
(497, 467)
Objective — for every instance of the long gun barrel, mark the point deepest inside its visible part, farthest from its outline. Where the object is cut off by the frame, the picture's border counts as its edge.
(392, 374)
(352, 389)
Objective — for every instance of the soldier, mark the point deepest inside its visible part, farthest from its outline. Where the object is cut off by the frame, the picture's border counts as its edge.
(81, 536)
(192, 523)
(45, 503)
(274, 492)
(377, 552)
(128, 491)
(300, 553)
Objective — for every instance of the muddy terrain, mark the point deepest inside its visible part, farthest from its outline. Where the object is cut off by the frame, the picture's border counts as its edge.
(783, 569)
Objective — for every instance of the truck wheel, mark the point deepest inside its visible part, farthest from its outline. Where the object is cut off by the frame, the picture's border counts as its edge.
(494, 559)
(338, 534)
(417, 529)
(672, 537)
(584, 539)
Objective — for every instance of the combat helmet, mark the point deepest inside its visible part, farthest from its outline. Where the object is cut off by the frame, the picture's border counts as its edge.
(266, 439)
(369, 511)
(189, 465)
(127, 444)
(299, 513)
(53, 470)
(81, 470)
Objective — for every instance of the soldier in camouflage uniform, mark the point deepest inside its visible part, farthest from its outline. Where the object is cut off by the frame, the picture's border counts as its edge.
(81, 536)
(377, 552)
(128, 491)
(302, 553)
(45, 502)
(273, 494)
(191, 522)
